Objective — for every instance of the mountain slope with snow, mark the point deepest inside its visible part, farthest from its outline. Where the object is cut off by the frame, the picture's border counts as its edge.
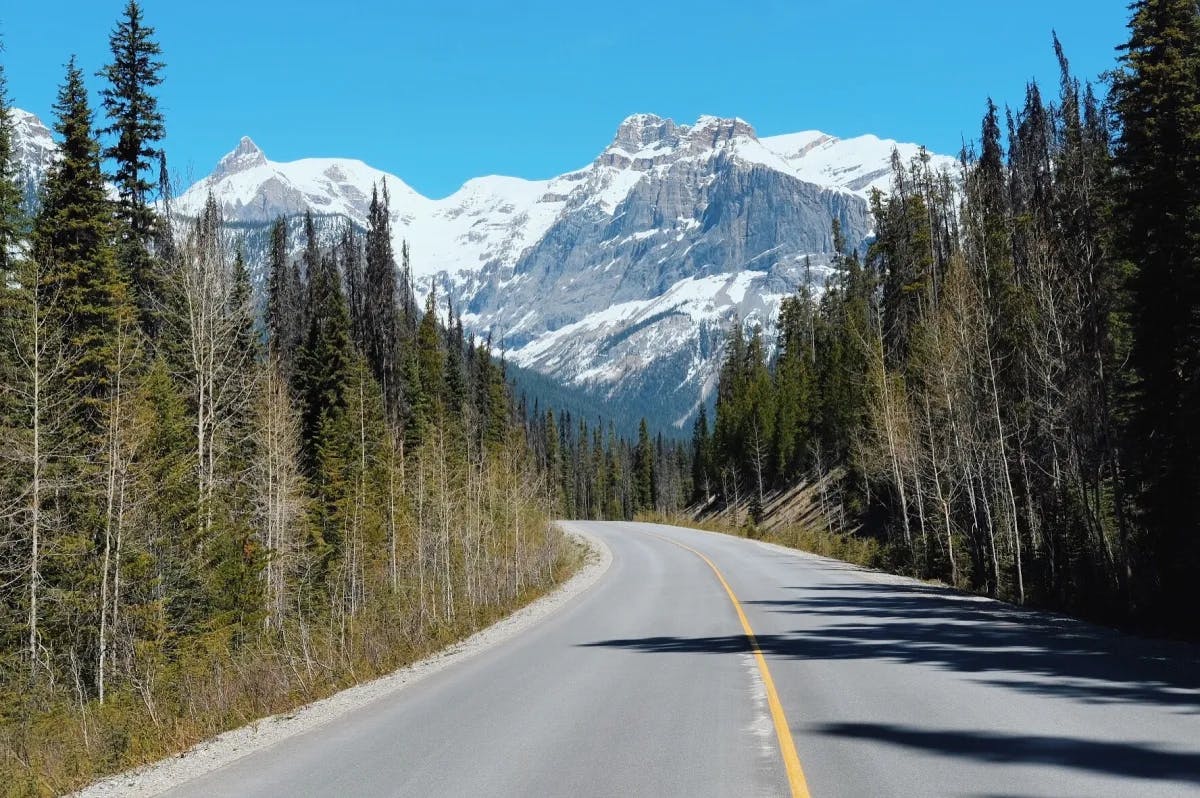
(620, 277)
(34, 150)
(861, 164)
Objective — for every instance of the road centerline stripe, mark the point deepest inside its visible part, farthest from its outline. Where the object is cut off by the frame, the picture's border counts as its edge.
(783, 732)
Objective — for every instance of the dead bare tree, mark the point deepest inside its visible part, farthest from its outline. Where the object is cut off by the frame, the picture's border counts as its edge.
(206, 317)
(32, 389)
(279, 490)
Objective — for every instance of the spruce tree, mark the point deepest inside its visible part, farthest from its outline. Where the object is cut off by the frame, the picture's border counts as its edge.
(326, 358)
(728, 443)
(170, 600)
(241, 309)
(1156, 97)
(456, 374)
(793, 386)
(136, 125)
(758, 431)
(553, 465)
(702, 465)
(349, 255)
(279, 310)
(643, 472)
(285, 300)
(381, 312)
(72, 238)
(428, 404)
(842, 330)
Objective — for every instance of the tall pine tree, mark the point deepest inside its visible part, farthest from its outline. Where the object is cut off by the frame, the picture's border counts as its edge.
(643, 471)
(380, 303)
(136, 124)
(1156, 96)
(326, 357)
(72, 238)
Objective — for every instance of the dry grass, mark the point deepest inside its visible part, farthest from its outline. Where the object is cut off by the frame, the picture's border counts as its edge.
(50, 745)
(796, 517)
(816, 540)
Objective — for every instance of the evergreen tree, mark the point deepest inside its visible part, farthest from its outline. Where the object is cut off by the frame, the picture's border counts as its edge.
(644, 488)
(702, 457)
(553, 465)
(793, 385)
(728, 443)
(842, 334)
(72, 238)
(349, 255)
(241, 309)
(381, 312)
(247, 343)
(759, 420)
(428, 404)
(136, 124)
(616, 486)
(285, 320)
(166, 595)
(456, 371)
(325, 359)
(1156, 97)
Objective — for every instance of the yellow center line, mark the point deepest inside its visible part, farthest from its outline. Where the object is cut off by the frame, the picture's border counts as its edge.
(787, 747)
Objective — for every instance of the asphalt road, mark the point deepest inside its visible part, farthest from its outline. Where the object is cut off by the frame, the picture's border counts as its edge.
(647, 685)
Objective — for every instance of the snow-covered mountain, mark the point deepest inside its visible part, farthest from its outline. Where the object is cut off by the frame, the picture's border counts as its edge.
(620, 277)
(34, 149)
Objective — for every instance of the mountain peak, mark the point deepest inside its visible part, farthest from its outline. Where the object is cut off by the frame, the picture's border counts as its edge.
(28, 126)
(246, 155)
(19, 116)
(34, 149)
(617, 277)
(717, 129)
(640, 131)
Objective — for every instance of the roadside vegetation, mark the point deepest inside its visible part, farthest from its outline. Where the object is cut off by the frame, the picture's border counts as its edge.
(214, 508)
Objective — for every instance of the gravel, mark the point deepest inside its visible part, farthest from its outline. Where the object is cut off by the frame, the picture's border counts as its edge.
(219, 751)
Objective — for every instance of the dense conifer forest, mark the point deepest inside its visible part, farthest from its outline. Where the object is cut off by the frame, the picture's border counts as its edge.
(212, 510)
(1005, 382)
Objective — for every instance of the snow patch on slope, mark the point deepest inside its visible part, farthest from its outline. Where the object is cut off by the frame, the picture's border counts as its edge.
(861, 164)
(585, 342)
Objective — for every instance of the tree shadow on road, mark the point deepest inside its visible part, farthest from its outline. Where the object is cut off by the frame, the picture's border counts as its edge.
(1015, 649)
(1130, 760)
(1018, 649)
(994, 643)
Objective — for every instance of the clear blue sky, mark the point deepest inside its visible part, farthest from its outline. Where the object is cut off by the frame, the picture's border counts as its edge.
(439, 91)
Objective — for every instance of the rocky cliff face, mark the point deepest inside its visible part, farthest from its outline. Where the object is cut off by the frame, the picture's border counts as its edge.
(34, 149)
(630, 298)
(621, 277)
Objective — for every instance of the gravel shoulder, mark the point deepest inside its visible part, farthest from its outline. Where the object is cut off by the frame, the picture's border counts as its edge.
(228, 747)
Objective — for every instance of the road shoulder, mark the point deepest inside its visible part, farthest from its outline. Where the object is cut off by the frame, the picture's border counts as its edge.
(228, 747)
